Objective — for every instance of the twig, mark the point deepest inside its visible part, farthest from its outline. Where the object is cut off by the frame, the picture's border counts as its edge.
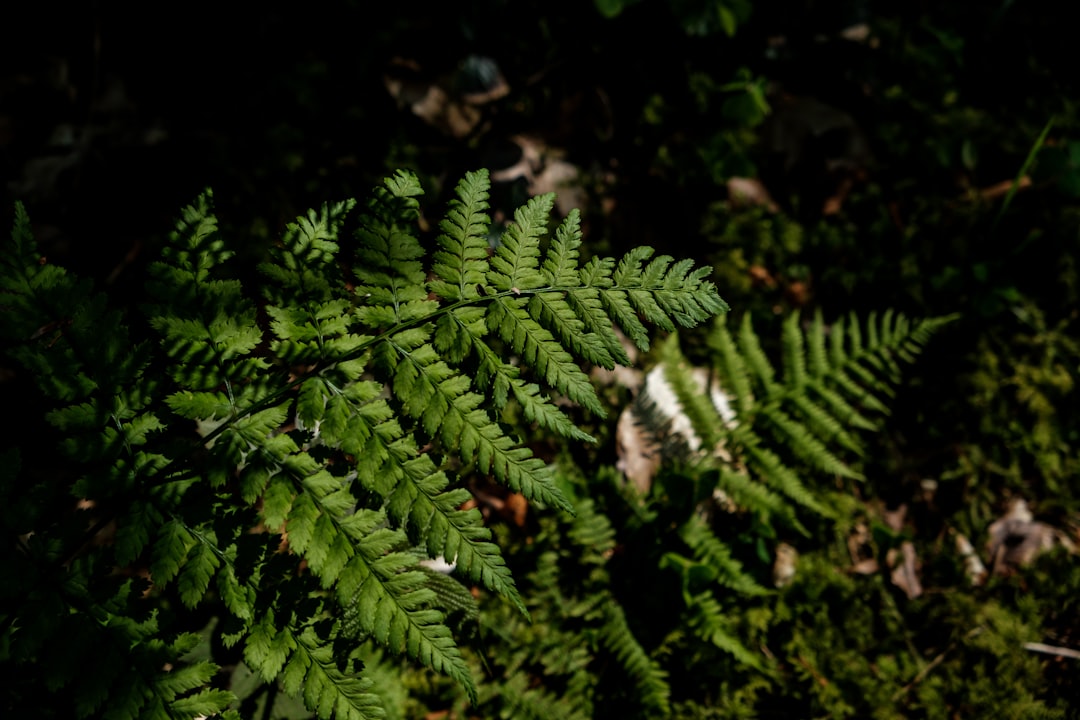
(923, 673)
(931, 665)
(1052, 650)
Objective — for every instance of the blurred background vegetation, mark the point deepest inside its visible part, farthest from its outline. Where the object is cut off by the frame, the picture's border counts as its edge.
(842, 156)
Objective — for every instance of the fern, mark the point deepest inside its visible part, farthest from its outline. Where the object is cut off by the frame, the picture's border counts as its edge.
(278, 459)
(765, 433)
(649, 678)
(581, 639)
(810, 409)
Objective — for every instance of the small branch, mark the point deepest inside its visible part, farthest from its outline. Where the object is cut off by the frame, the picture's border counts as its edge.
(922, 673)
(1052, 650)
(931, 665)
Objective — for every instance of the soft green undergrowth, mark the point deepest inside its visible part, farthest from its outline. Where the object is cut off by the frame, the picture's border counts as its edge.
(236, 500)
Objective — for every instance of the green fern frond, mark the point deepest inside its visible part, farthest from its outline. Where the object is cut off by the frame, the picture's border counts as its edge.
(709, 549)
(775, 473)
(555, 310)
(650, 680)
(268, 646)
(313, 673)
(560, 265)
(422, 502)
(390, 604)
(309, 309)
(761, 368)
(588, 305)
(539, 348)
(811, 411)
(392, 289)
(461, 262)
(663, 297)
(170, 551)
(698, 406)
(706, 619)
(208, 328)
(593, 533)
(198, 569)
(540, 410)
(238, 596)
(515, 266)
(303, 269)
(794, 353)
(802, 441)
(829, 424)
(24, 281)
(451, 595)
(749, 492)
(436, 395)
(521, 700)
(300, 412)
(731, 368)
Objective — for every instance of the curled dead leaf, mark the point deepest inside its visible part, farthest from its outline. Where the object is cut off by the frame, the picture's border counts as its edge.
(517, 507)
(1016, 538)
(905, 569)
(543, 169)
(973, 565)
(797, 293)
(760, 276)
(861, 550)
(785, 565)
(749, 191)
(563, 179)
(450, 102)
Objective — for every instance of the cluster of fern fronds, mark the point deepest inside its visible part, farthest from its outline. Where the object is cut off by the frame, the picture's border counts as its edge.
(285, 461)
(671, 603)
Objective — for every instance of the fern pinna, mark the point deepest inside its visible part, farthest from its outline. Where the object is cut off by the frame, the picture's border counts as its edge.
(287, 457)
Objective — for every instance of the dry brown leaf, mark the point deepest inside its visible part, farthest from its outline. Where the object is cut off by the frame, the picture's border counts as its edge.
(905, 569)
(797, 293)
(835, 202)
(749, 191)
(517, 507)
(868, 566)
(861, 550)
(1017, 538)
(450, 117)
(545, 171)
(785, 565)
(637, 450)
(627, 377)
(1002, 188)
(435, 102)
(760, 276)
(894, 519)
(973, 565)
(563, 179)
(528, 164)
